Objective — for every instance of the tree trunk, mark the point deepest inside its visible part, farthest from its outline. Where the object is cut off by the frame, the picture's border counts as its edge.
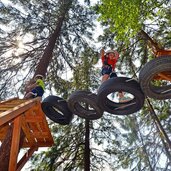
(6, 147)
(87, 146)
(41, 69)
(47, 55)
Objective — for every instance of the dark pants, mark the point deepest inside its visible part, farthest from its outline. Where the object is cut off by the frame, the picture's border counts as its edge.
(38, 91)
(107, 69)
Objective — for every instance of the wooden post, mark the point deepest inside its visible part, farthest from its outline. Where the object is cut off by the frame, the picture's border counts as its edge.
(15, 144)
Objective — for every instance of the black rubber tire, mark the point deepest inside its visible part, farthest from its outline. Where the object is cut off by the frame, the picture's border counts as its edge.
(147, 73)
(87, 98)
(62, 115)
(118, 84)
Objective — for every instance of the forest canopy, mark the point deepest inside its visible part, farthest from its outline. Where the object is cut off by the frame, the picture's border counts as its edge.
(131, 142)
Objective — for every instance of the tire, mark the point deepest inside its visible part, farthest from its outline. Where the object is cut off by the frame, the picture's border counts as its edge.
(149, 74)
(56, 109)
(84, 104)
(120, 84)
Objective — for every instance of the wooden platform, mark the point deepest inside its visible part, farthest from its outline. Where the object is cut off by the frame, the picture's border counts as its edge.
(25, 115)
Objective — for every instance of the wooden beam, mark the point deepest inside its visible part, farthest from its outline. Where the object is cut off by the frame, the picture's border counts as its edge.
(42, 143)
(154, 45)
(164, 77)
(156, 48)
(25, 158)
(15, 144)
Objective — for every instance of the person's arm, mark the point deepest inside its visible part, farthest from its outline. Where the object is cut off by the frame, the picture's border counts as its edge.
(27, 85)
(116, 55)
(102, 52)
(115, 61)
(32, 86)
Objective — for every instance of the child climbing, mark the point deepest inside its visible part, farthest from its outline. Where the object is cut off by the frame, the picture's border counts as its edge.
(35, 89)
(109, 60)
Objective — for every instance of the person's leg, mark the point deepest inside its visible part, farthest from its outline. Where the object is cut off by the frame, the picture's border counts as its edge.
(105, 77)
(29, 95)
(106, 70)
(123, 98)
(39, 90)
(113, 74)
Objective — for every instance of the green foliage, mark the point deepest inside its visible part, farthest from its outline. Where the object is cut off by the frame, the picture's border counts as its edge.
(67, 152)
(128, 17)
(85, 76)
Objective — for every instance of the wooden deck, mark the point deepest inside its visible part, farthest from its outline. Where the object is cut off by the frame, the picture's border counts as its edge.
(25, 115)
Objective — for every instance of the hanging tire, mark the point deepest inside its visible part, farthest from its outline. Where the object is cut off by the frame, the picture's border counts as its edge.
(56, 109)
(150, 78)
(114, 86)
(84, 104)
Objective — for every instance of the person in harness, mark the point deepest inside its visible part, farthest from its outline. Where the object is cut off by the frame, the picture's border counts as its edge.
(35, 89)
(109, 60)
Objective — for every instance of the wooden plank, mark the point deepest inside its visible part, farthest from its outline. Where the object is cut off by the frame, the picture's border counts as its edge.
(6, 108)
(16, 111)
(45, 143)
(33, 118)
(33, 113)
(41, 135)
(15, 144)
(45, 126)
(28, 132)
(163, 52)
(7, 105)
(9, 100)
(28, 118)
(164, 76)
(16, 103)
(40, 144)
(3, 131)
(1, 111)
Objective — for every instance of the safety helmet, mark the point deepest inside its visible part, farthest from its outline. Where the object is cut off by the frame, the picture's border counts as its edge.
(39, 75)
(110, 51)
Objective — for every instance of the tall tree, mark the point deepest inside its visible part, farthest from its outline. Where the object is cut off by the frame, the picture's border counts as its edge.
(41, 69)
(22, 46)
